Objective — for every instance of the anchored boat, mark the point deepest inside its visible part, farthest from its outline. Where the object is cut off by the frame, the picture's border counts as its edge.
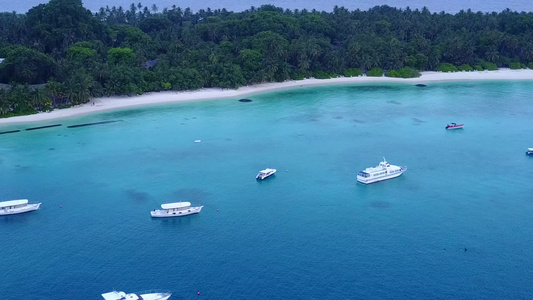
(454, 126)
(17, 207)
(114, 295)
(177, 209)
(382, 172)
(264, 174)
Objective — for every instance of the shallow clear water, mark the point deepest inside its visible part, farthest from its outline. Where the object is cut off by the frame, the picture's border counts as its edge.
(311, 231)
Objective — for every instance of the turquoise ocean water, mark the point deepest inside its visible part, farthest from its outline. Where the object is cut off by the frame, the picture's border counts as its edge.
(310, 232)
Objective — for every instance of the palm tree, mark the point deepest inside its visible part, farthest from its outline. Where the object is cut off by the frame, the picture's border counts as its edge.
(38, 98)
(5, 102)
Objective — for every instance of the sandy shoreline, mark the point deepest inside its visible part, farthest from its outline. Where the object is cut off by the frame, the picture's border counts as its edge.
(114, 103)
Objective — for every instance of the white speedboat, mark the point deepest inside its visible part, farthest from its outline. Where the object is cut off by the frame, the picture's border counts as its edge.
(177, 209)
(454, 126)
(383, 171)
(17, 207)
(529, 151)
(264, 174)
(114, 295)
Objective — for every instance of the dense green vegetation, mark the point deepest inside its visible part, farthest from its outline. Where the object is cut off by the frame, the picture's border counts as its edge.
(60, 54)
(375, 72)
(405, 72)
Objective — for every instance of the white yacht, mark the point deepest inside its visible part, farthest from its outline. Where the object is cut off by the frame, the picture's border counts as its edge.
(263, 174)
(177, 209)
(383, 171)
(12, 207)
(529, 151)
(123, 296)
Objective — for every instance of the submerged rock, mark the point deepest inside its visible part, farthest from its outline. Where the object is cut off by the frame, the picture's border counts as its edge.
(245, 100)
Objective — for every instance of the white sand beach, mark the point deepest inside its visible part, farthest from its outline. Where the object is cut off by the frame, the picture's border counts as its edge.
(113, 103)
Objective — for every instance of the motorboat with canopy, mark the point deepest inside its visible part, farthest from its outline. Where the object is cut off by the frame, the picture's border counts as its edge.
(12, 207)
(176, 209)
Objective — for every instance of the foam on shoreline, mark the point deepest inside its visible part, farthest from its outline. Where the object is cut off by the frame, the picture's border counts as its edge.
(114, 103)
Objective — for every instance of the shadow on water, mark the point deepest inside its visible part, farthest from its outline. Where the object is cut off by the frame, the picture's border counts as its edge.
(136, 195)
(394, 102)
(454, 131)
(17, 219)
(380, 204)
(177, 221)
(418, 120)
(22, 168)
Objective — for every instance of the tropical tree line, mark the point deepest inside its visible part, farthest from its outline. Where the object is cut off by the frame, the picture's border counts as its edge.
(61, 54)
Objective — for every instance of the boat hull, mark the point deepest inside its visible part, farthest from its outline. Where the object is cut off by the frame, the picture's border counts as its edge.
(115, 295)
(156, 296)
(163, 213)
(454, 127)
(381, 178)
(260, 178)
(19, 210)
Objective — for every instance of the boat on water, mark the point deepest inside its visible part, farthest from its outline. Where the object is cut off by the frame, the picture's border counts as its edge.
(264, 174)
(114, 295)
(529, 151)
(177, 209)
(382, 172)
(454, 126)
(12, 207)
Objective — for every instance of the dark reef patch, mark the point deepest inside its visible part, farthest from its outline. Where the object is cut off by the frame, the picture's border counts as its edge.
(245, 100)
(420, 85)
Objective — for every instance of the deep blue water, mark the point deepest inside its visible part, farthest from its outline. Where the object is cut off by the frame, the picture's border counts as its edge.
(452, 6)
(310, 232)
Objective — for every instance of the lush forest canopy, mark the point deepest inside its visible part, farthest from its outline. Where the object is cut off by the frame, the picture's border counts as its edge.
(60, 54)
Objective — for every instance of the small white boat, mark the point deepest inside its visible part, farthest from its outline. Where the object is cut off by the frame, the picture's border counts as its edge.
(383, 171)
(264, 174)
(114, 295)
(17, 207)
(529, 151)
(176, 209)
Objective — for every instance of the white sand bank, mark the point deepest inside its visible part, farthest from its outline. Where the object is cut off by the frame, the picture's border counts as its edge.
(112, 103)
